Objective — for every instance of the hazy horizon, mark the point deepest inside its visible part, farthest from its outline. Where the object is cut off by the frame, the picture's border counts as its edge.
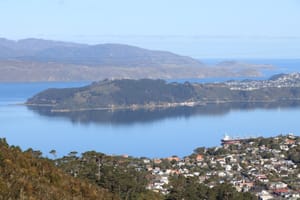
(200, 29)
(187, 51)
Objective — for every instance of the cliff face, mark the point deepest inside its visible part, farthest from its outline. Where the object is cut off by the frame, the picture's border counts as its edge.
(147, 93)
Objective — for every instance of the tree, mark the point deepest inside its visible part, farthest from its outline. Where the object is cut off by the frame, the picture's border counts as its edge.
(200, 150)
(53, 153)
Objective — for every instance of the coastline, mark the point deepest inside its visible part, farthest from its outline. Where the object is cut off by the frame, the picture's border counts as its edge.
(135, 107)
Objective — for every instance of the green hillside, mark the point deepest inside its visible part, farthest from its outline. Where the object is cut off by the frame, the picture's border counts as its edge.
(26, 175)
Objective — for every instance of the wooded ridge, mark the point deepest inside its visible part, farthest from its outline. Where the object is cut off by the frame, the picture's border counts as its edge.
(151, 94)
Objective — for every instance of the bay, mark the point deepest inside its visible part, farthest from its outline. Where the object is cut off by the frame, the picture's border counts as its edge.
(152, 134)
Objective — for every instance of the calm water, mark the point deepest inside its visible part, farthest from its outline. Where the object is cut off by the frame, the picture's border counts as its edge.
(145, 133)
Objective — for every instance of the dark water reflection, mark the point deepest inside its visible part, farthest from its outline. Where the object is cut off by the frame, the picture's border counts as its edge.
(128, 117)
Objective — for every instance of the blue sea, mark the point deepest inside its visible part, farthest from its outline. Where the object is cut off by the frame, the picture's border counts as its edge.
(151, 134)
(281, 65)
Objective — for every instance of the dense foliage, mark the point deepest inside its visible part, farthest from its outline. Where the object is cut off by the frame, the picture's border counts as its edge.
(25, 175)
(121, 176)
(147, 93)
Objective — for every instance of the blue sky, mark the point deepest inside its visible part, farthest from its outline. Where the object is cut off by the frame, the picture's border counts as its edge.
(198, 28)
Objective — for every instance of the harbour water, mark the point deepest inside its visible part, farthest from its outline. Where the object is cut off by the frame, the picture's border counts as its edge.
(145, 133)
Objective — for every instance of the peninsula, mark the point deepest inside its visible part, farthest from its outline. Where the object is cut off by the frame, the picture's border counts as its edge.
(152, 94)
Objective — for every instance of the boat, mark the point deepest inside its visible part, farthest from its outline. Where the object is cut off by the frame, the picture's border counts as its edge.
(229, 140)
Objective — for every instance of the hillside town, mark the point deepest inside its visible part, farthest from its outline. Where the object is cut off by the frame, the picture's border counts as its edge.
(266, 167)
(277, 81)
(259, 168)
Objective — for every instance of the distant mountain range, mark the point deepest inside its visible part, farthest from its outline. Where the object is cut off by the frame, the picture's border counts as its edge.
(116, 55)
(45, 60)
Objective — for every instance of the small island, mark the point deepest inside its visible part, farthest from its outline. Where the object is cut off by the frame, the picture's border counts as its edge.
(153, 94)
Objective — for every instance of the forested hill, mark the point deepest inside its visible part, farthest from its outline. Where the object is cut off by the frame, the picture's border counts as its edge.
(26, 175)
(114, 94)
(147, 93)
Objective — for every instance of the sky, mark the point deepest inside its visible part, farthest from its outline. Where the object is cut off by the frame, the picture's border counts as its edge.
(197, 28)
